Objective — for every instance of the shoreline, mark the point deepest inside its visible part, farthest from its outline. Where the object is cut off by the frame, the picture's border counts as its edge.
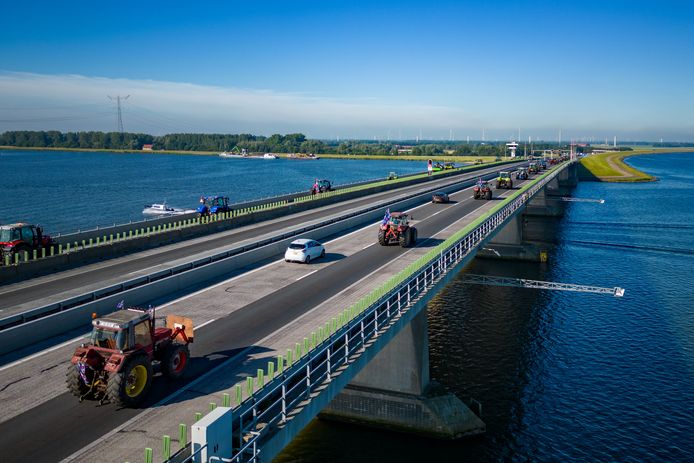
(361, 157)
(610, 167)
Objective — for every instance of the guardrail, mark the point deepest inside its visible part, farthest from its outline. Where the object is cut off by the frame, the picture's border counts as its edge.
(55, 318)
(108, 236)
(265, 403)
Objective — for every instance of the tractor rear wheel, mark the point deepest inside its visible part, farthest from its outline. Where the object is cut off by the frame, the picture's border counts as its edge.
(488, 195)
(74, 383)
(510, 183)
(382, 238)
(130, 385)
(413, 237)
(476, 195)
(175, 360)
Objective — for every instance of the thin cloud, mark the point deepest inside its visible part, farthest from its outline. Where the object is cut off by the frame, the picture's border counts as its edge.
(187, 106)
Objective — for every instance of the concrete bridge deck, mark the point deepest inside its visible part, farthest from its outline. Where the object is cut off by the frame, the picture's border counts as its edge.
(36, 292)
(242, 321)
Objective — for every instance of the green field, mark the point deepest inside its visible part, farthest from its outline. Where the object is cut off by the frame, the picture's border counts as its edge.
(610, 167)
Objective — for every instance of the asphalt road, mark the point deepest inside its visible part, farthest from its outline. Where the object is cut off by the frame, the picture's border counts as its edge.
(61, 426)
(120, 269)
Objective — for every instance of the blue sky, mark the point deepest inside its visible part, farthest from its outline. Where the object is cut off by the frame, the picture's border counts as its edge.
(353, 69)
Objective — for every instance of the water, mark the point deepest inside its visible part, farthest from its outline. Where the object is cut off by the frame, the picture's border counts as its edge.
(566, 376)
(66, 191)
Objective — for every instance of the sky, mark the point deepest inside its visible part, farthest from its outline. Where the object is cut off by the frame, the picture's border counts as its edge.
(359, 69)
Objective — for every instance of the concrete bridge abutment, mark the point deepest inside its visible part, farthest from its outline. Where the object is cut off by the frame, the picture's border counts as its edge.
(394, 392)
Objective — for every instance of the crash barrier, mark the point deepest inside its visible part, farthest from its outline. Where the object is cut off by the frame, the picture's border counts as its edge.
(44, 322)
(273, 397)
(106, 238)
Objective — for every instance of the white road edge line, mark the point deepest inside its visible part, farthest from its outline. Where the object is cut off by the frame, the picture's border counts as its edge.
(222, 283)
(75, 456)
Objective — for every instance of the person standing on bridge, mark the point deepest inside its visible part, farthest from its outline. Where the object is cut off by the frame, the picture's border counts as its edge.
(430, 167)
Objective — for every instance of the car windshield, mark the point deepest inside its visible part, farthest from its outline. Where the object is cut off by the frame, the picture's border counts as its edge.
(296, 246)
(109, 339)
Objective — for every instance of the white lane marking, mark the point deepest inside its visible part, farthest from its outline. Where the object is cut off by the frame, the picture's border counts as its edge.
(225, 282)
(145, 269)
(205, 324)
(192, 384)
(43, 352)
(304, 276)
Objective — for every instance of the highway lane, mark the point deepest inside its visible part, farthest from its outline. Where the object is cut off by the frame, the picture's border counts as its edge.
(32, 436)
(26, 295)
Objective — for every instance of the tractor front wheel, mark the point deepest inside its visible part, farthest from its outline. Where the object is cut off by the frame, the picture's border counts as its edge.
(175, 360)
(130, 385)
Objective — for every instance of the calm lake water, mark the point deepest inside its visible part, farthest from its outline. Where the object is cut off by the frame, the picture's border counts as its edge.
(566, 376)
(66, 191)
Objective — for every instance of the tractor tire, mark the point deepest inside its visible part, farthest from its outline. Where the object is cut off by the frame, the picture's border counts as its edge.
(476, 195)
(74, 383)
(175, 360)
(382, 238)
(488, 195)
(130, 385)
(510, 183)
(403, 238)
(413, 237)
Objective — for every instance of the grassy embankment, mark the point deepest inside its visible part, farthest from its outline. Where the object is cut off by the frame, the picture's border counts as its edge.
(442, 158)
(610, 167)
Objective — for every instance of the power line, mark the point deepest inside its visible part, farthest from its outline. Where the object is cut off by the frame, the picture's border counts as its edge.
(120, 115)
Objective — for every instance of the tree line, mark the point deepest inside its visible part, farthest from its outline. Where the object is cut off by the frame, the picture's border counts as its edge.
(289, 143)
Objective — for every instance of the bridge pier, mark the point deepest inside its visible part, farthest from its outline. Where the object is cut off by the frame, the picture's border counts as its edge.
(394, 392)
(530, 234)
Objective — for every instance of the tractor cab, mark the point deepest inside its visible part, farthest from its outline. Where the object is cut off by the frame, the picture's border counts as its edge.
(321, 186)
(213, 205)
(123, 330)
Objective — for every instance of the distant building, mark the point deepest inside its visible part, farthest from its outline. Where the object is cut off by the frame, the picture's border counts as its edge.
(147, 147)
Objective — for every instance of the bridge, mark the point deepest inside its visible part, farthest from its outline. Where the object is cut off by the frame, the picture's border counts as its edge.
(280, 343)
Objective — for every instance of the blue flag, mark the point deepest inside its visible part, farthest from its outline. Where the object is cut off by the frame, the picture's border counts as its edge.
(386, 217)
(121, 304)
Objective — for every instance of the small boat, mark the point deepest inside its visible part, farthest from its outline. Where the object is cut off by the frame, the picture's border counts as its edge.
(269, 156)
(225, 154)
(302, 156)
(163, 209)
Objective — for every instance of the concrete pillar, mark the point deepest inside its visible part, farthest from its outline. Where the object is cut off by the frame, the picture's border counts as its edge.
(394, 392)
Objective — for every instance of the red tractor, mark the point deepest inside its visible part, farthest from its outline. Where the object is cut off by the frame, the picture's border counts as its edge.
(482, 190)
(396, 228)
(116, 363)
(17, 238)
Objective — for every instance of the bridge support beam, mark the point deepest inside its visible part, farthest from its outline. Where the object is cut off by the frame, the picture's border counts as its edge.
(529, 235)
(394, 392)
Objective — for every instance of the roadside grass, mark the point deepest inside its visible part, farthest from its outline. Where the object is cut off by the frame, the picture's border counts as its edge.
(610, 167)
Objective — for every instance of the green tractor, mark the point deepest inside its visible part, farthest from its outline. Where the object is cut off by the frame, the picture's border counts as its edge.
(504, 180)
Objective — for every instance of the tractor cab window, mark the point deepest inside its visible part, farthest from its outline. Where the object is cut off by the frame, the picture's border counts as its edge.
(27, 235)
(8, 235)
(143, 336)
(117, 340)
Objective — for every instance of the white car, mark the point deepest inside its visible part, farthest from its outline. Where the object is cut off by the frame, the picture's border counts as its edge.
(304, 250)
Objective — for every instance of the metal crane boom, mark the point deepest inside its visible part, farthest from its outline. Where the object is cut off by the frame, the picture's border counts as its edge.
(535, 284)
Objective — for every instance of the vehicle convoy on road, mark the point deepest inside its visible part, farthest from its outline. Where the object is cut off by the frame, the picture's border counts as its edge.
(18, 238)
(395, 228)
(440, 197)
(304, 250)
(116, 363)
(482, 190)
(213, 205)
(321, 186)
(504, 180)
(522, 174)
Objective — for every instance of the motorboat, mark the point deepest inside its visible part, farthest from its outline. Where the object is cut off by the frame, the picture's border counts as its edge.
(163, 209)
(225, 154)
(269, 156)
